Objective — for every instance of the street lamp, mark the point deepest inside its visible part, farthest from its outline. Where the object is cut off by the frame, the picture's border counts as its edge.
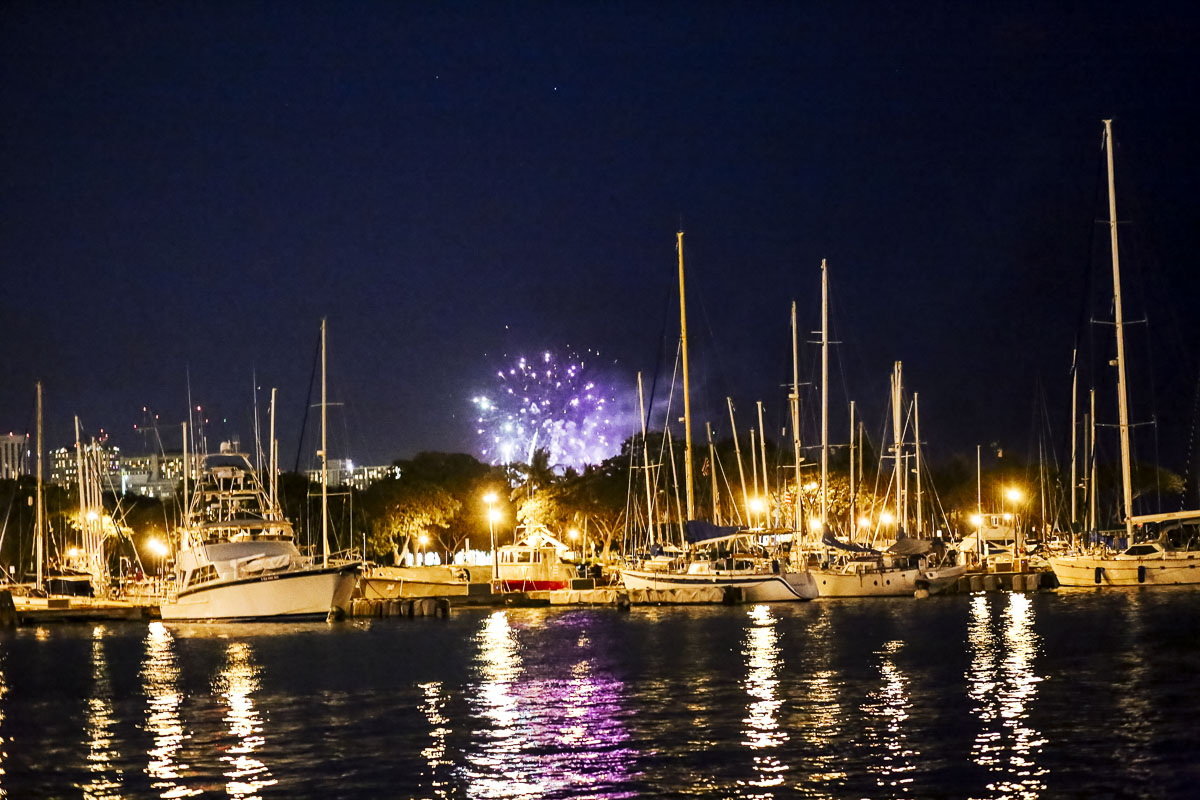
(492, 514)
(573, 535)
(756, 507)
(423, 540)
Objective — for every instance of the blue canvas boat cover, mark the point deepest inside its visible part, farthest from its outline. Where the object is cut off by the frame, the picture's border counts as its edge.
(697, 530)
(829, 540)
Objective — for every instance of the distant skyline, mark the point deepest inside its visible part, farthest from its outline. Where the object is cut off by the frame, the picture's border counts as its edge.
(188, 189)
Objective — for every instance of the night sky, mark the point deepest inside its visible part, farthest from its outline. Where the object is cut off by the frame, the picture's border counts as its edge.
(188, 188)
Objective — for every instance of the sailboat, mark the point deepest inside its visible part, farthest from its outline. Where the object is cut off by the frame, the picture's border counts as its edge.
(1173, 557)
(718, 558)
(852, 570)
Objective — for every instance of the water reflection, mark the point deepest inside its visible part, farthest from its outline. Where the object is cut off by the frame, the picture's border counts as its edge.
(552, 731)
(160, 684)
(762, 731)
(1002, 685)
(433, 706)
(821, 726)
(236, 683)
(893, 758)
(105, 779)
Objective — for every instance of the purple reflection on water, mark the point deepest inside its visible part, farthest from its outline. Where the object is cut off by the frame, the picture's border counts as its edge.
(549, 728)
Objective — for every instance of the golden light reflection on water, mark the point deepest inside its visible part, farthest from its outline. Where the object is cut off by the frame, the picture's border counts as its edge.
(822, 724)
(432, 706)
(236, 683)
(160, 684)
(106, 776)
(893, 758)
(762, 731)
(498, 769)
(1002, 684)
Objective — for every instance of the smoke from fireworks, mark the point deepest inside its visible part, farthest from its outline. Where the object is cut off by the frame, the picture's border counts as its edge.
(562, 405)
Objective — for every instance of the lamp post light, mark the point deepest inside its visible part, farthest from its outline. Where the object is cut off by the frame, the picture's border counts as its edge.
(492, 515)
(423, 540)
(573, 535)
(756, 508)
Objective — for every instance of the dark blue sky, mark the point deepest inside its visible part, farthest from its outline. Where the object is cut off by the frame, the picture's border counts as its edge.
(190, 187)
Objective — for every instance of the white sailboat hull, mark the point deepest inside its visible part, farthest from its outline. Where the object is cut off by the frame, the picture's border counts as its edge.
(884, 583)
(288, 595)
(755, 588)
(1161, 569)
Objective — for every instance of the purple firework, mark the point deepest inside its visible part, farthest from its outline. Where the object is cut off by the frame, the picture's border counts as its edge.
(560, 405)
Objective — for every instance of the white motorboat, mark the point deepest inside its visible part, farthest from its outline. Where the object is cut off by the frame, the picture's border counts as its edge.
(534, 564)
(238, 560)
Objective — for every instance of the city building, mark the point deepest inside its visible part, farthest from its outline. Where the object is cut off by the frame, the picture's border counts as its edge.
(15, 459)
(342, 472)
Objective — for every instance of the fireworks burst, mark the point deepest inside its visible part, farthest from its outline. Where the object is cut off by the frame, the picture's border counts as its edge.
(562, 406)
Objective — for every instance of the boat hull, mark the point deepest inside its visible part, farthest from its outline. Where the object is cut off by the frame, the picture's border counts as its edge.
(1121, 570)
(289, 595)
(394, 583)
(884, 583)
(757, 588)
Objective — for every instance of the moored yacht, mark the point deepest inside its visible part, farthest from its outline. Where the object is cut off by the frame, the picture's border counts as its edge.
(237, 557)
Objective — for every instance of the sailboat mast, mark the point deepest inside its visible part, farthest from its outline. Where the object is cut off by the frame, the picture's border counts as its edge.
(1093, 500)
(273, 459)
(795, 402)
(754, 472)
(79, 467)
(737, 451)
(712, 470)
(762, 446)
(687, 406)
(824, 395)
(650, 531)
(186, 473)
(853, 516)
(896, 439)
(324, 461)
(917, 458)
(1118, 319)
(1074, 437)
(40, 522)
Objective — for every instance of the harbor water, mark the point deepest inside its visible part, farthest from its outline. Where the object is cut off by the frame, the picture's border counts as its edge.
(1067, 694)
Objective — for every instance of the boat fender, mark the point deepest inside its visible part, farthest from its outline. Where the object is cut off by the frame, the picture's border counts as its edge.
(1099, 574)
(1141, 574)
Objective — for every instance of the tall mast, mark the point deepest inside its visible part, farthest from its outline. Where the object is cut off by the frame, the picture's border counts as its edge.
(1093, 498)
(762, 446)
(737, 451)
(917, 457)
(186, 506)
(754, 471)
(979, 499)
(853, 516)
(650, 531)
(712, 470)
(687, 406)
(1074, 436)
(795, 403)
(273, 459)
(324, 461)
(79, 466)
(897, 421)
(824, 396)
(40, 522)
(1122, 386)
